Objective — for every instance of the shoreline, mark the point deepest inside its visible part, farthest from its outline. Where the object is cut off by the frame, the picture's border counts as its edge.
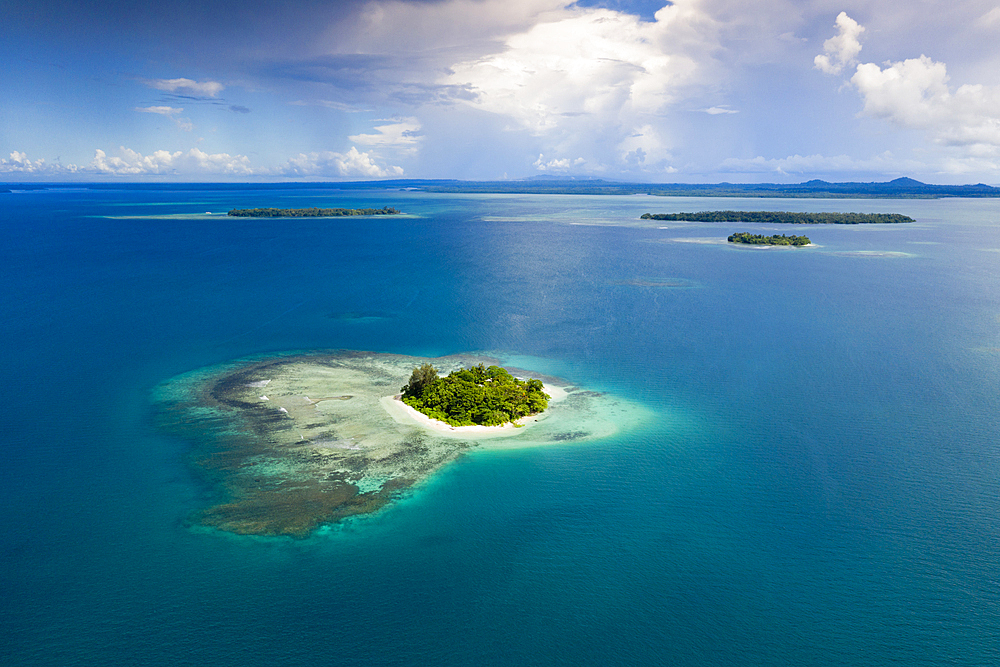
(405, 414)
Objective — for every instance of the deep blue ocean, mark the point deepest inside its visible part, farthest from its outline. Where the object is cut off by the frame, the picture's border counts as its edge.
(820, 484)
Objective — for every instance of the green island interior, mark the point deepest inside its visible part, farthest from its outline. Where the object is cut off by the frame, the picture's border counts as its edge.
(311, 212)
(760, 239)
(783, 217)
(289, 443)
(474, 396)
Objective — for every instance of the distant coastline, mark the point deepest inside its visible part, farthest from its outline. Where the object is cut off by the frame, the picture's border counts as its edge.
(900, 188)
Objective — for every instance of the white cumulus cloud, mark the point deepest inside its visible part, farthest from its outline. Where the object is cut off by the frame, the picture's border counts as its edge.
(912, 93)
(207, 88)
(557, 164)
(128, 164)
(402, 135)
(352, 164)
(586, 81)
(590, 62)
(18, 163)
(916, 94)
(843, 48)
(132, 163)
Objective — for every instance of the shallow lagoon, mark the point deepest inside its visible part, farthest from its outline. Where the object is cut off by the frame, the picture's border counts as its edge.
(818, 484)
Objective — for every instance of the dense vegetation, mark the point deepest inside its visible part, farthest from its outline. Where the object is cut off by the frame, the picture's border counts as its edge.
(477, 395)
(783, 217)
(309, 212)
(760, 239)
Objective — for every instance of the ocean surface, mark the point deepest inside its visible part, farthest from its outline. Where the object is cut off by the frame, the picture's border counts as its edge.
(819, 485)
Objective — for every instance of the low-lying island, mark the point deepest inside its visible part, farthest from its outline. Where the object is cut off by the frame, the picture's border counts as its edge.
(760, 239)
(289, 443)
(783, 217)
(311, 212)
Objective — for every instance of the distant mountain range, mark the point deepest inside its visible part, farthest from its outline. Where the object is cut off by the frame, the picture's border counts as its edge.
(900, 188)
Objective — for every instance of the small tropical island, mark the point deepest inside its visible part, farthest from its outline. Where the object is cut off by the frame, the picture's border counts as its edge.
(783, 217)
(289, 443)
(760, 239)
(310, 212)
(475, 396)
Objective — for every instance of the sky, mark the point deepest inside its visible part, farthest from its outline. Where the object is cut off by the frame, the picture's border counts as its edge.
(694, 91)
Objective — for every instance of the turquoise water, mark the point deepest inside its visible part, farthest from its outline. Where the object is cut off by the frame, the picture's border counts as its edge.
(822, 487)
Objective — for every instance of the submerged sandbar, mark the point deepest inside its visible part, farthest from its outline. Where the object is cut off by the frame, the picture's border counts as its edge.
(292, 442)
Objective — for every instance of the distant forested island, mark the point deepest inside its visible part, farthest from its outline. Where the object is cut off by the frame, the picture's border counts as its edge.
(474, 396)
(309, 212)
(783, 217)
(760, 239)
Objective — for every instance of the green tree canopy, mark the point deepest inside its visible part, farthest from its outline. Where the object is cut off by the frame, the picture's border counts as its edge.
(783, 217)
(420, 379)
(312, 212)
(476, 395)
(760, 239)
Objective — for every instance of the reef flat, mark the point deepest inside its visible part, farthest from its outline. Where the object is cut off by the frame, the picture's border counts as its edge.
(289, 443)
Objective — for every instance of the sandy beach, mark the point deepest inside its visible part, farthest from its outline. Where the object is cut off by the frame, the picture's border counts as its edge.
(404, 414)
